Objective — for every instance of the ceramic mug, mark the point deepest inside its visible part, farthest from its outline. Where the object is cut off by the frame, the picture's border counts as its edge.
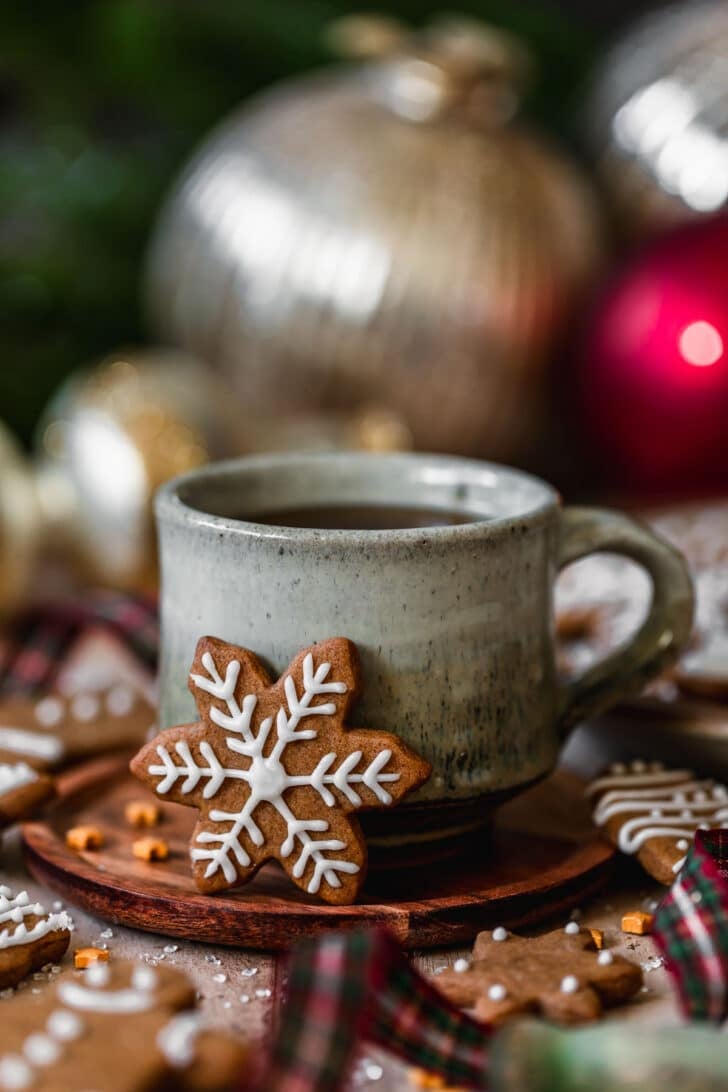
(454, 624)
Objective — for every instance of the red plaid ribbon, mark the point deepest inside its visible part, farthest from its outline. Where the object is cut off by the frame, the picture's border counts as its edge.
(34, 645)
(353, 986)
(691, 928)
(348, 987)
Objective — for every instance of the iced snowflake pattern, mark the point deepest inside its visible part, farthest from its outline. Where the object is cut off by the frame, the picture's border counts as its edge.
(274, 770)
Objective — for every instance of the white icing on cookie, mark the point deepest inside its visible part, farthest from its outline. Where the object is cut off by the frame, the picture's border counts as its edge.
(15, 776)
(673, 806)
(48, 712)
(15, 1072)
(569, 984)
(497, 992)
(120, 700)
(618, 781)
(176, 1040)
(64, 1026)
(41, 1050)
(137, 998)
(22, 741)
(15, 909)
(85, 707)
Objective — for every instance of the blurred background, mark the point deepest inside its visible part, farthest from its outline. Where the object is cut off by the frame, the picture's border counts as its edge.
(231, 227)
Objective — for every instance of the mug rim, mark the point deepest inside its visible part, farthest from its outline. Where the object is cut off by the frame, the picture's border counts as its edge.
(170, 505)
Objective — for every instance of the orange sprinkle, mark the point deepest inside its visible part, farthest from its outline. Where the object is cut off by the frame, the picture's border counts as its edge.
(141, 813)
(84, 957)
(150, 849)
(84, 837)
(638, 922)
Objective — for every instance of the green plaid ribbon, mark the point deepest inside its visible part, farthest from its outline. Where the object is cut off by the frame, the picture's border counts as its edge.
(691, 928)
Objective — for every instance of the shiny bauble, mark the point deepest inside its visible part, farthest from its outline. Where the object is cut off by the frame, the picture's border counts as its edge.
(653, 377)
(113, 434)
(657, 117)
(382, 233)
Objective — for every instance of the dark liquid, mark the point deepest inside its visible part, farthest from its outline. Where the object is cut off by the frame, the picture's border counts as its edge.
(363, 517)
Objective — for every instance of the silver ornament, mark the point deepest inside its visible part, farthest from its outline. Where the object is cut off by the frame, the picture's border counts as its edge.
(382, 233)
(657, 117)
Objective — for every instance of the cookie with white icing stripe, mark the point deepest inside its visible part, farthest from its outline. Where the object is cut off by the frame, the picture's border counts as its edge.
(275, 771)
(120, 1027)
(651, 811)
(560, 975)
(22, 791)
(47, 732)
(29, 936)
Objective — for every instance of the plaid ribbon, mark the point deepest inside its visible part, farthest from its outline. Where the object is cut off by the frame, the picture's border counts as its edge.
(691, 928)
(348, 987)
(352, 986)
(34, 645)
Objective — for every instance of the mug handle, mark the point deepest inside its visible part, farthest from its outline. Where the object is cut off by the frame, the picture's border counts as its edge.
(662, 634)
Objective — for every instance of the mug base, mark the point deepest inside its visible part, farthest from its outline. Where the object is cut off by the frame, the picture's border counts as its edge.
(417, 834)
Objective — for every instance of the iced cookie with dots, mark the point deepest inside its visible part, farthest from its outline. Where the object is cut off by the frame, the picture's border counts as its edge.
(114, 1028)
(47, 732)
(651, 811)
(560, 975)
(29, 936)
(275, 771)
(22, 791)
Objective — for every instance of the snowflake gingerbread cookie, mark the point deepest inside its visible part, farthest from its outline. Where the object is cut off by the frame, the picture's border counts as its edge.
(275, 771)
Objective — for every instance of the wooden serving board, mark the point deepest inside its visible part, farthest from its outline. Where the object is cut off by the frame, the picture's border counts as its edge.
(541, 859)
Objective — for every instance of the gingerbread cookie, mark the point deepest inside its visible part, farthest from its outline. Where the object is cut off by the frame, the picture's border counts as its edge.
(653, 812)
(561, 975)
(275, 771)
(22, 790)
(29, 937)
(117, 1027)
(55, 729)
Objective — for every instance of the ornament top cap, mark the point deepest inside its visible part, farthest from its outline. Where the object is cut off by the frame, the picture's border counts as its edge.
(453, 65)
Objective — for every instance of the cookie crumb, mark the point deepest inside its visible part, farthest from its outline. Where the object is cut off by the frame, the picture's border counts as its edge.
(598, 937)
(85, 957)
(84, 837)
(150, 849)
(638, 922)
(141, 813)
(420, 1078)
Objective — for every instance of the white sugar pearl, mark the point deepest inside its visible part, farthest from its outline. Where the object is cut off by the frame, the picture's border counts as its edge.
(40, 1049)
(461, 965)
(656, 767)
(499, 933)
(85, 707)
(497, 992)
(97, 974)
(686, 814)
(617, 768)
(120, 700)
(700, 796)
(704, 826)
(639, 766)
(569, 984)
(605, 958)
(682, 844)
(720, 792)
(572, 928)
(48, 712)
(220, 977)
(64, 1025)
(656, 813)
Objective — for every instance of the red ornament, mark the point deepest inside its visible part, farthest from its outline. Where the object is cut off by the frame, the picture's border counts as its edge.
(653, 381)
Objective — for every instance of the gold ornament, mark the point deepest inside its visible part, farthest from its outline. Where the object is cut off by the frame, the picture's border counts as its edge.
(657, 114)
(110, 437)
(382, 233)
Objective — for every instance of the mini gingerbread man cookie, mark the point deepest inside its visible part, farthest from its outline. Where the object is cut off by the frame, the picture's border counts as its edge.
(653, 812)
(561, 975)
(275, 771)
(119, 1027)
(54, 729)
(29, 937)
(22, 790)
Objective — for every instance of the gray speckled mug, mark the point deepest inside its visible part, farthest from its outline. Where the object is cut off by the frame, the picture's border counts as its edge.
(454, 623)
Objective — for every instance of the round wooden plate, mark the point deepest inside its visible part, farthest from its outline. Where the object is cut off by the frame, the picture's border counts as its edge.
(541, 859)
